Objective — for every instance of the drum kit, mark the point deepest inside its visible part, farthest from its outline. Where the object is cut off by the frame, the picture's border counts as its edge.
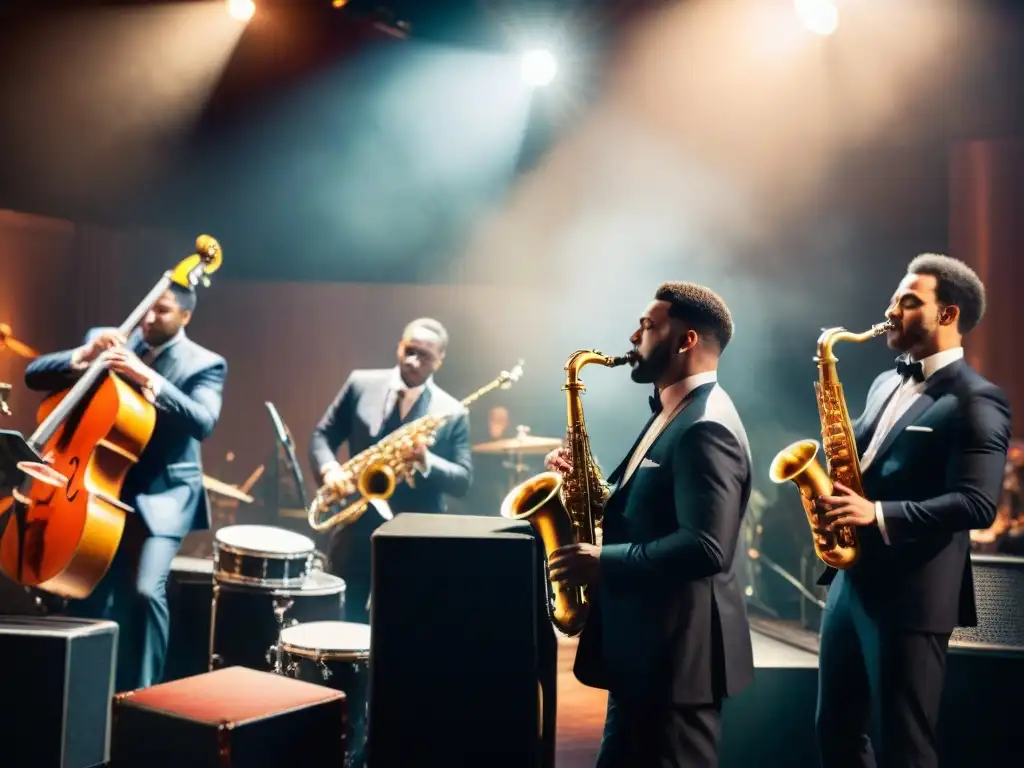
(274, 608)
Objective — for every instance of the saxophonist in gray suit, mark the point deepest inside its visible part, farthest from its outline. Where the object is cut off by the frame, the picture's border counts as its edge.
(370, 406)
(667, 632)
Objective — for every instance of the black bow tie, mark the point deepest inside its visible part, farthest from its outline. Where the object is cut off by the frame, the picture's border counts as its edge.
(655, 401)
(906, 370)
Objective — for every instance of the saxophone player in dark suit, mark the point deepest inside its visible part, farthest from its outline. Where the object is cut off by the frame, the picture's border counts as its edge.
(371, 405)
(667, 635)
(933, 441)
(185, 383)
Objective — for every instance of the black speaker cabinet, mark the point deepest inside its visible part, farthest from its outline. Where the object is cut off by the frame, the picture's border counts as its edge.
(463, 660)
(58, 677)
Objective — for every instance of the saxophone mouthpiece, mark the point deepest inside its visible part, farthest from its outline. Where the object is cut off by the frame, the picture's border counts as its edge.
(630, 357)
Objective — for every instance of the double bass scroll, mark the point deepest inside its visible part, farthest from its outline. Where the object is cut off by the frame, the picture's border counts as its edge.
(69, 519)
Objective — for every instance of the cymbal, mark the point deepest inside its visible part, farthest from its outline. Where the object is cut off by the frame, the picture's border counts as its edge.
(13, 344)
(519, 444)
(214, 485)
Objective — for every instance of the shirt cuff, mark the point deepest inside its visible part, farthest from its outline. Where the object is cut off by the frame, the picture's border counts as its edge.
(880, 519)
(154, 385)
(428, 462)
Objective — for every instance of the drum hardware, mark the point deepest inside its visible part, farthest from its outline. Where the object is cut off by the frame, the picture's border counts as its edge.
(247, 621)
(5, 392)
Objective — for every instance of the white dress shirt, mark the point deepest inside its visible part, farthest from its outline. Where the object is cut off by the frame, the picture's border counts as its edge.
(899, 403)
(673, 398)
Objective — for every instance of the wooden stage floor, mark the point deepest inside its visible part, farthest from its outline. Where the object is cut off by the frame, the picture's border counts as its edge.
(581, 709)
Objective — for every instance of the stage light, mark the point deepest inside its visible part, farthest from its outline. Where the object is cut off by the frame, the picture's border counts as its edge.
(241, 10)
(539, 68)
(819, 16)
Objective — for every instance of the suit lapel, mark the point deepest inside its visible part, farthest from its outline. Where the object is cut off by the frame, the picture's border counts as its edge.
(868, 422)
(613, 478)
(934, 389)
(684, 416)
(421, 407)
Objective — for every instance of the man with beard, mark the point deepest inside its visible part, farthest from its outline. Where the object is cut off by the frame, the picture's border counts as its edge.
(185, 382)
(371, 405)
(932, 442)
(667, 634)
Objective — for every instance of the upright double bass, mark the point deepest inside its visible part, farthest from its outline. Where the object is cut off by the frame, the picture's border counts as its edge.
(69, 518)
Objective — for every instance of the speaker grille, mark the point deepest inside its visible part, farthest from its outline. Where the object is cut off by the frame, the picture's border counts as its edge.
(999, 595)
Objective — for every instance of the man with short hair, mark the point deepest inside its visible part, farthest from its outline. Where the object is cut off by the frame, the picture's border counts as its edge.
(667, 634)
(370, 406)
(932, 443)
(185, 383)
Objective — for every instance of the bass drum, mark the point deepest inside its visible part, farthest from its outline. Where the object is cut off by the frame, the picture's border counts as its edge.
(247, 620)
(335, 654)
(262, 556)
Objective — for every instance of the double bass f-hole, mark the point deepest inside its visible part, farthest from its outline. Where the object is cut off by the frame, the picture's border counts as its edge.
(74, 463)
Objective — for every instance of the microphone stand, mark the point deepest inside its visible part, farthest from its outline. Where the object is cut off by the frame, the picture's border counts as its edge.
(285, 438)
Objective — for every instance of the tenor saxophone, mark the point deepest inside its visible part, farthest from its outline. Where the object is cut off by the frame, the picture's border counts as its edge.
(379, 469)
(837, 547)
(568, 509)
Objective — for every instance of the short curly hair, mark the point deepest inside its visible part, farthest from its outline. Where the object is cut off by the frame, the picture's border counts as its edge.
(700, 308)
(956, 284)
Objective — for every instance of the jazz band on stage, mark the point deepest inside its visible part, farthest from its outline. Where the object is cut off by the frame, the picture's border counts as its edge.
(642, 566)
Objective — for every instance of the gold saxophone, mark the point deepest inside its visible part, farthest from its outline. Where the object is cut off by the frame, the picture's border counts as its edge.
(837, 548)
(567, 510)
(378, 469)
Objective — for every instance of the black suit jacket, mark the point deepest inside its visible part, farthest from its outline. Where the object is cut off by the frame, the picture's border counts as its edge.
(938, 474)
(669, 623)
(166, 485)
(357, 415)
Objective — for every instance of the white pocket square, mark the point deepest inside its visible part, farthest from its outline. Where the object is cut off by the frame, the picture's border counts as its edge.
(912, 428)
(648, 463)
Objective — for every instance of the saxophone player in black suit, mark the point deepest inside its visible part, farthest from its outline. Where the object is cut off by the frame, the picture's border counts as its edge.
(932, 442)
(371, 405)
(667, 634)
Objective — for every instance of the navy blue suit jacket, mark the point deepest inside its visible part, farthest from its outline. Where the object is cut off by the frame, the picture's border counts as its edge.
(669, 623)
(357, 416)
(166, 485)
(938, 474)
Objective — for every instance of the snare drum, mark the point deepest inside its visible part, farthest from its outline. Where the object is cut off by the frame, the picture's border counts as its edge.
(262, 556)
(247, 620)
(335, 654)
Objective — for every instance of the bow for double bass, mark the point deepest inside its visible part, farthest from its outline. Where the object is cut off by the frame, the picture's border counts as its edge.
(69, 517)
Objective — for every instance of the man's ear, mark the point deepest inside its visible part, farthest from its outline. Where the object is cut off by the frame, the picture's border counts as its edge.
(688, 341)
(949, 315)
(186, 316)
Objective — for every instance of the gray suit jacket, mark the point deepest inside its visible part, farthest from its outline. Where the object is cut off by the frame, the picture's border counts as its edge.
(669, 623)
(166, 485)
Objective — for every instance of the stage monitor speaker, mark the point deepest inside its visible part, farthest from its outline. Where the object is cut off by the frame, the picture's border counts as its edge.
(58, 678)
(463, 659)
(999, 597)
